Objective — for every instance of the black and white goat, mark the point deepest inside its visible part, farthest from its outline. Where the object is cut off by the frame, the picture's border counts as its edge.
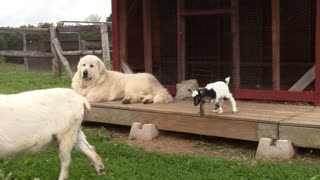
(215, 92)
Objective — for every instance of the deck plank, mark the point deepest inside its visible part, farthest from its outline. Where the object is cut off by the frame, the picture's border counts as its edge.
(253, 121)
(180, 123)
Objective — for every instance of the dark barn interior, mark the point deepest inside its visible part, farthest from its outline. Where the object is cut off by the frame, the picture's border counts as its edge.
(262, 44)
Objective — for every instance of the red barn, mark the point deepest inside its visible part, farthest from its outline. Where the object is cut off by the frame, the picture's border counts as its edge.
(270, 48)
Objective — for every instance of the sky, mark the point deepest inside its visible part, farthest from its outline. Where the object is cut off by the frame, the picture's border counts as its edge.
(15, 13)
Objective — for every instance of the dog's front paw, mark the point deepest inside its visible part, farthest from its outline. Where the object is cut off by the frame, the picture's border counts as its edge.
(147, 101)
(126, 101)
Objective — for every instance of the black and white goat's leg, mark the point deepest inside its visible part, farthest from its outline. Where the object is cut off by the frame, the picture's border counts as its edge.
(233, 103)
(83, 145)
(217, 106)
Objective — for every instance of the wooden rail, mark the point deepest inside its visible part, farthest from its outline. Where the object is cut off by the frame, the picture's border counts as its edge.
(57, 54)
(24, 30)
(91, 28)
(40, 54)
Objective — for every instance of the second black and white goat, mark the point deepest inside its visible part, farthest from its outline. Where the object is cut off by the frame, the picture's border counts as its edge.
(216, 93)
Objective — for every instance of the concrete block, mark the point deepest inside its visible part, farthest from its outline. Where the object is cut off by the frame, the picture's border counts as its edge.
(143, 132)
(282, 149)
(182, 89)
(135, 127)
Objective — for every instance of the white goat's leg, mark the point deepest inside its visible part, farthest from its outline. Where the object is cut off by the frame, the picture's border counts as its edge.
(66, 143)
(220, 106)
(65, 160)
(217, 106)
(233, 104)
(83, 145)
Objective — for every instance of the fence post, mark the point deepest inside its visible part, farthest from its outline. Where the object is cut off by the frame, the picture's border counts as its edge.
(55, 59)
(105, 46)
(25, 59)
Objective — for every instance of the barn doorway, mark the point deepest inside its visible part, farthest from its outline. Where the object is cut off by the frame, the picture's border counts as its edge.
(206, 40)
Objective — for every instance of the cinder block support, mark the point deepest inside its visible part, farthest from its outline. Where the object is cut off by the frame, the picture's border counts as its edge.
(143, 132)
(282, 149)
(135, 127)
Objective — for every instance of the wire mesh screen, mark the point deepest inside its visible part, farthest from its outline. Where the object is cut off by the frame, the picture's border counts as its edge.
(255, 36)
(208, 48)
(204, 5)
(297, 40)
(134, 37)
(166, 43)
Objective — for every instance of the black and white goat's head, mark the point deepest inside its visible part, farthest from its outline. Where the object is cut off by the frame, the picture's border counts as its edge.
(201, 94)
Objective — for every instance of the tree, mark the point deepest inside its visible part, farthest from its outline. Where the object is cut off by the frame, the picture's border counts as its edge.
(109, 19)
(45, 25)
(93, 18)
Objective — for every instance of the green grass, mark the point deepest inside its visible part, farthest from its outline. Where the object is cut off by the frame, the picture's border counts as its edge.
(13, 79)
(125, 162)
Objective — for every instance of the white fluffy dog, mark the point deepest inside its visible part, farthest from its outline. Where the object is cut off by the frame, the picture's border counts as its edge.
(93, 81)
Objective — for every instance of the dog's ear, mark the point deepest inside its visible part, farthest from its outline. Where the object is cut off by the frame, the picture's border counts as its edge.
(102, 68)
(79, 65)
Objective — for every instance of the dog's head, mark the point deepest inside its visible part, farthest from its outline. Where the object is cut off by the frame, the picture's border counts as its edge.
(90, 68)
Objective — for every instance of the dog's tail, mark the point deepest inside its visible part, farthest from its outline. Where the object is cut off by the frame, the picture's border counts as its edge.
(227, 80)
(86, 105)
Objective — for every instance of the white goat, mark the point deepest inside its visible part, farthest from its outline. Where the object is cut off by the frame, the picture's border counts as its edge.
(33, 120)
(216, 92)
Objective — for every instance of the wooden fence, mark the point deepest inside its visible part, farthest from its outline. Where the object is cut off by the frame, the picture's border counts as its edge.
(57, 54)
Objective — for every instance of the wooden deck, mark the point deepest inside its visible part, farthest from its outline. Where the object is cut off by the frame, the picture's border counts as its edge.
(300, 124)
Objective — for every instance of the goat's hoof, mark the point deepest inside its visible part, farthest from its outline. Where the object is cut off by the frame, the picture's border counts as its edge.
(101, 170)
(235, 111)
(219, 111)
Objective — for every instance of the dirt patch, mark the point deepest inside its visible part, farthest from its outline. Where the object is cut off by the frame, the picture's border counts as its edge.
(189, 144)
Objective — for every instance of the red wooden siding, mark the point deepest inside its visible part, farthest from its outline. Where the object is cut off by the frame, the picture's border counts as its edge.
(271, 60)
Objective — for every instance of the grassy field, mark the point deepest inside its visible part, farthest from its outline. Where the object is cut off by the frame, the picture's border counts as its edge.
(13, 79)
(125, 162)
